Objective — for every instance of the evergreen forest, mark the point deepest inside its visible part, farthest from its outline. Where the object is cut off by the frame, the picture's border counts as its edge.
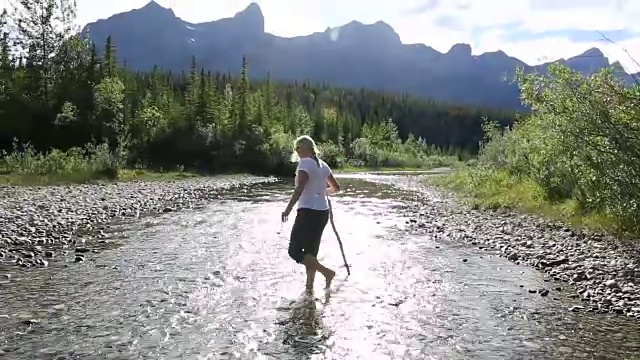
(64, 109)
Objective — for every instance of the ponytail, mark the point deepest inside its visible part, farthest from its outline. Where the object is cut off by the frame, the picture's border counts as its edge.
(315, 157)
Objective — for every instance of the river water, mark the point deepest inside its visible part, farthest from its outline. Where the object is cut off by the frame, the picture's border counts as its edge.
(216, 283)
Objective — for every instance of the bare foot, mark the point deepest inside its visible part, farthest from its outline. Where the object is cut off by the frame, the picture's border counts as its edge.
(330, 275)
(308, 290)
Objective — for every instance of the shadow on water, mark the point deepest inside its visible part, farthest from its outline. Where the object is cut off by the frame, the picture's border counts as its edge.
(301, 326)
(216, 283)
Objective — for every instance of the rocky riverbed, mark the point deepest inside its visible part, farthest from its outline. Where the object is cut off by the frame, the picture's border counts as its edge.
(216, 281)
(38, 224)
(601, 271)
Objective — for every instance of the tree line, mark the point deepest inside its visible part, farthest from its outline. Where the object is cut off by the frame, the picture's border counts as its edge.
(73, 100)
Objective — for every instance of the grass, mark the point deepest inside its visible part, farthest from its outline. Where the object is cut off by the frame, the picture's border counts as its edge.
(448, 162)
(355, 169)
(84, 177)
(498, 190)
(144, 175)
(125, 175)
(98, 163)
(92, 163)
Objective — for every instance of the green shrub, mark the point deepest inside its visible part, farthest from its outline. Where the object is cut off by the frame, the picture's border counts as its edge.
(578, 152)
(92, 161)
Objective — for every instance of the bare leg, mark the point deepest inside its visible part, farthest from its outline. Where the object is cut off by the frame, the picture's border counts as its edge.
(311, 276)
(310, 261)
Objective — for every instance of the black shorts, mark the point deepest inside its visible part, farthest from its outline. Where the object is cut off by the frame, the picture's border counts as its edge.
(307, 232)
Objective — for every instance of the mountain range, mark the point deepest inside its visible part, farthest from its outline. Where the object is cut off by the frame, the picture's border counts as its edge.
(354, 55)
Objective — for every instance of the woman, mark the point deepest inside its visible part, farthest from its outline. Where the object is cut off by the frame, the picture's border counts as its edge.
(312, 177)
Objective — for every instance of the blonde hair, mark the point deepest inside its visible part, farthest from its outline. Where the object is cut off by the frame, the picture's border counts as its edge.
(305, 142)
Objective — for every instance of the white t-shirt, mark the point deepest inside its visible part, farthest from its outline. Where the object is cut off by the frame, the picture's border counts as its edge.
(314, 195)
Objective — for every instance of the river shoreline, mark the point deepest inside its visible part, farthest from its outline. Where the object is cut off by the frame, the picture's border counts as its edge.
(604, 271)
(38, 224)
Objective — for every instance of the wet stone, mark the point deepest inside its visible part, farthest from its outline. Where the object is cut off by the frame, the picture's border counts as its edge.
(611, 284)
(37, 221)
(597, 263)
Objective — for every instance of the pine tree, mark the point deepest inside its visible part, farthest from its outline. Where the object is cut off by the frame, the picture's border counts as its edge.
(109, 59)
(243, 93)
(191, 92)
(42, 27)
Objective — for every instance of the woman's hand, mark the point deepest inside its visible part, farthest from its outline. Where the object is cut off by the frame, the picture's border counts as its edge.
(303, 178)
(331, 191)
(285, 214)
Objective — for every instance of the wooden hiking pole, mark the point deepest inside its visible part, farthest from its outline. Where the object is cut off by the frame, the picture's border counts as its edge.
(335, 231)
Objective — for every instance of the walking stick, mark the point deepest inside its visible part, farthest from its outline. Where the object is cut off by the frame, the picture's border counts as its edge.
(335, 231)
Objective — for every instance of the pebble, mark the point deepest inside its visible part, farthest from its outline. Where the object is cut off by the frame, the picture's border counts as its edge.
(603, 271)
(39, 223)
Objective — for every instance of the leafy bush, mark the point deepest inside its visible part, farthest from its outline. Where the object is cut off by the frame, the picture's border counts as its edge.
(332, 154)
(92, 160)
(581, 145)
(398, 156)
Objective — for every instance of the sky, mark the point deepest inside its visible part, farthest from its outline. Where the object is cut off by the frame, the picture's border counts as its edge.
(534, 31)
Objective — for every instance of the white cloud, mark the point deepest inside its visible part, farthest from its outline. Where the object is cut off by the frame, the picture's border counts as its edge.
(296, 17)
(540, 50)
(545, 15)
(535, 16)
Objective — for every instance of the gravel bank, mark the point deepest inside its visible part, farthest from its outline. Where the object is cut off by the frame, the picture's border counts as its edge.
(604, 272)
(41, 223)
